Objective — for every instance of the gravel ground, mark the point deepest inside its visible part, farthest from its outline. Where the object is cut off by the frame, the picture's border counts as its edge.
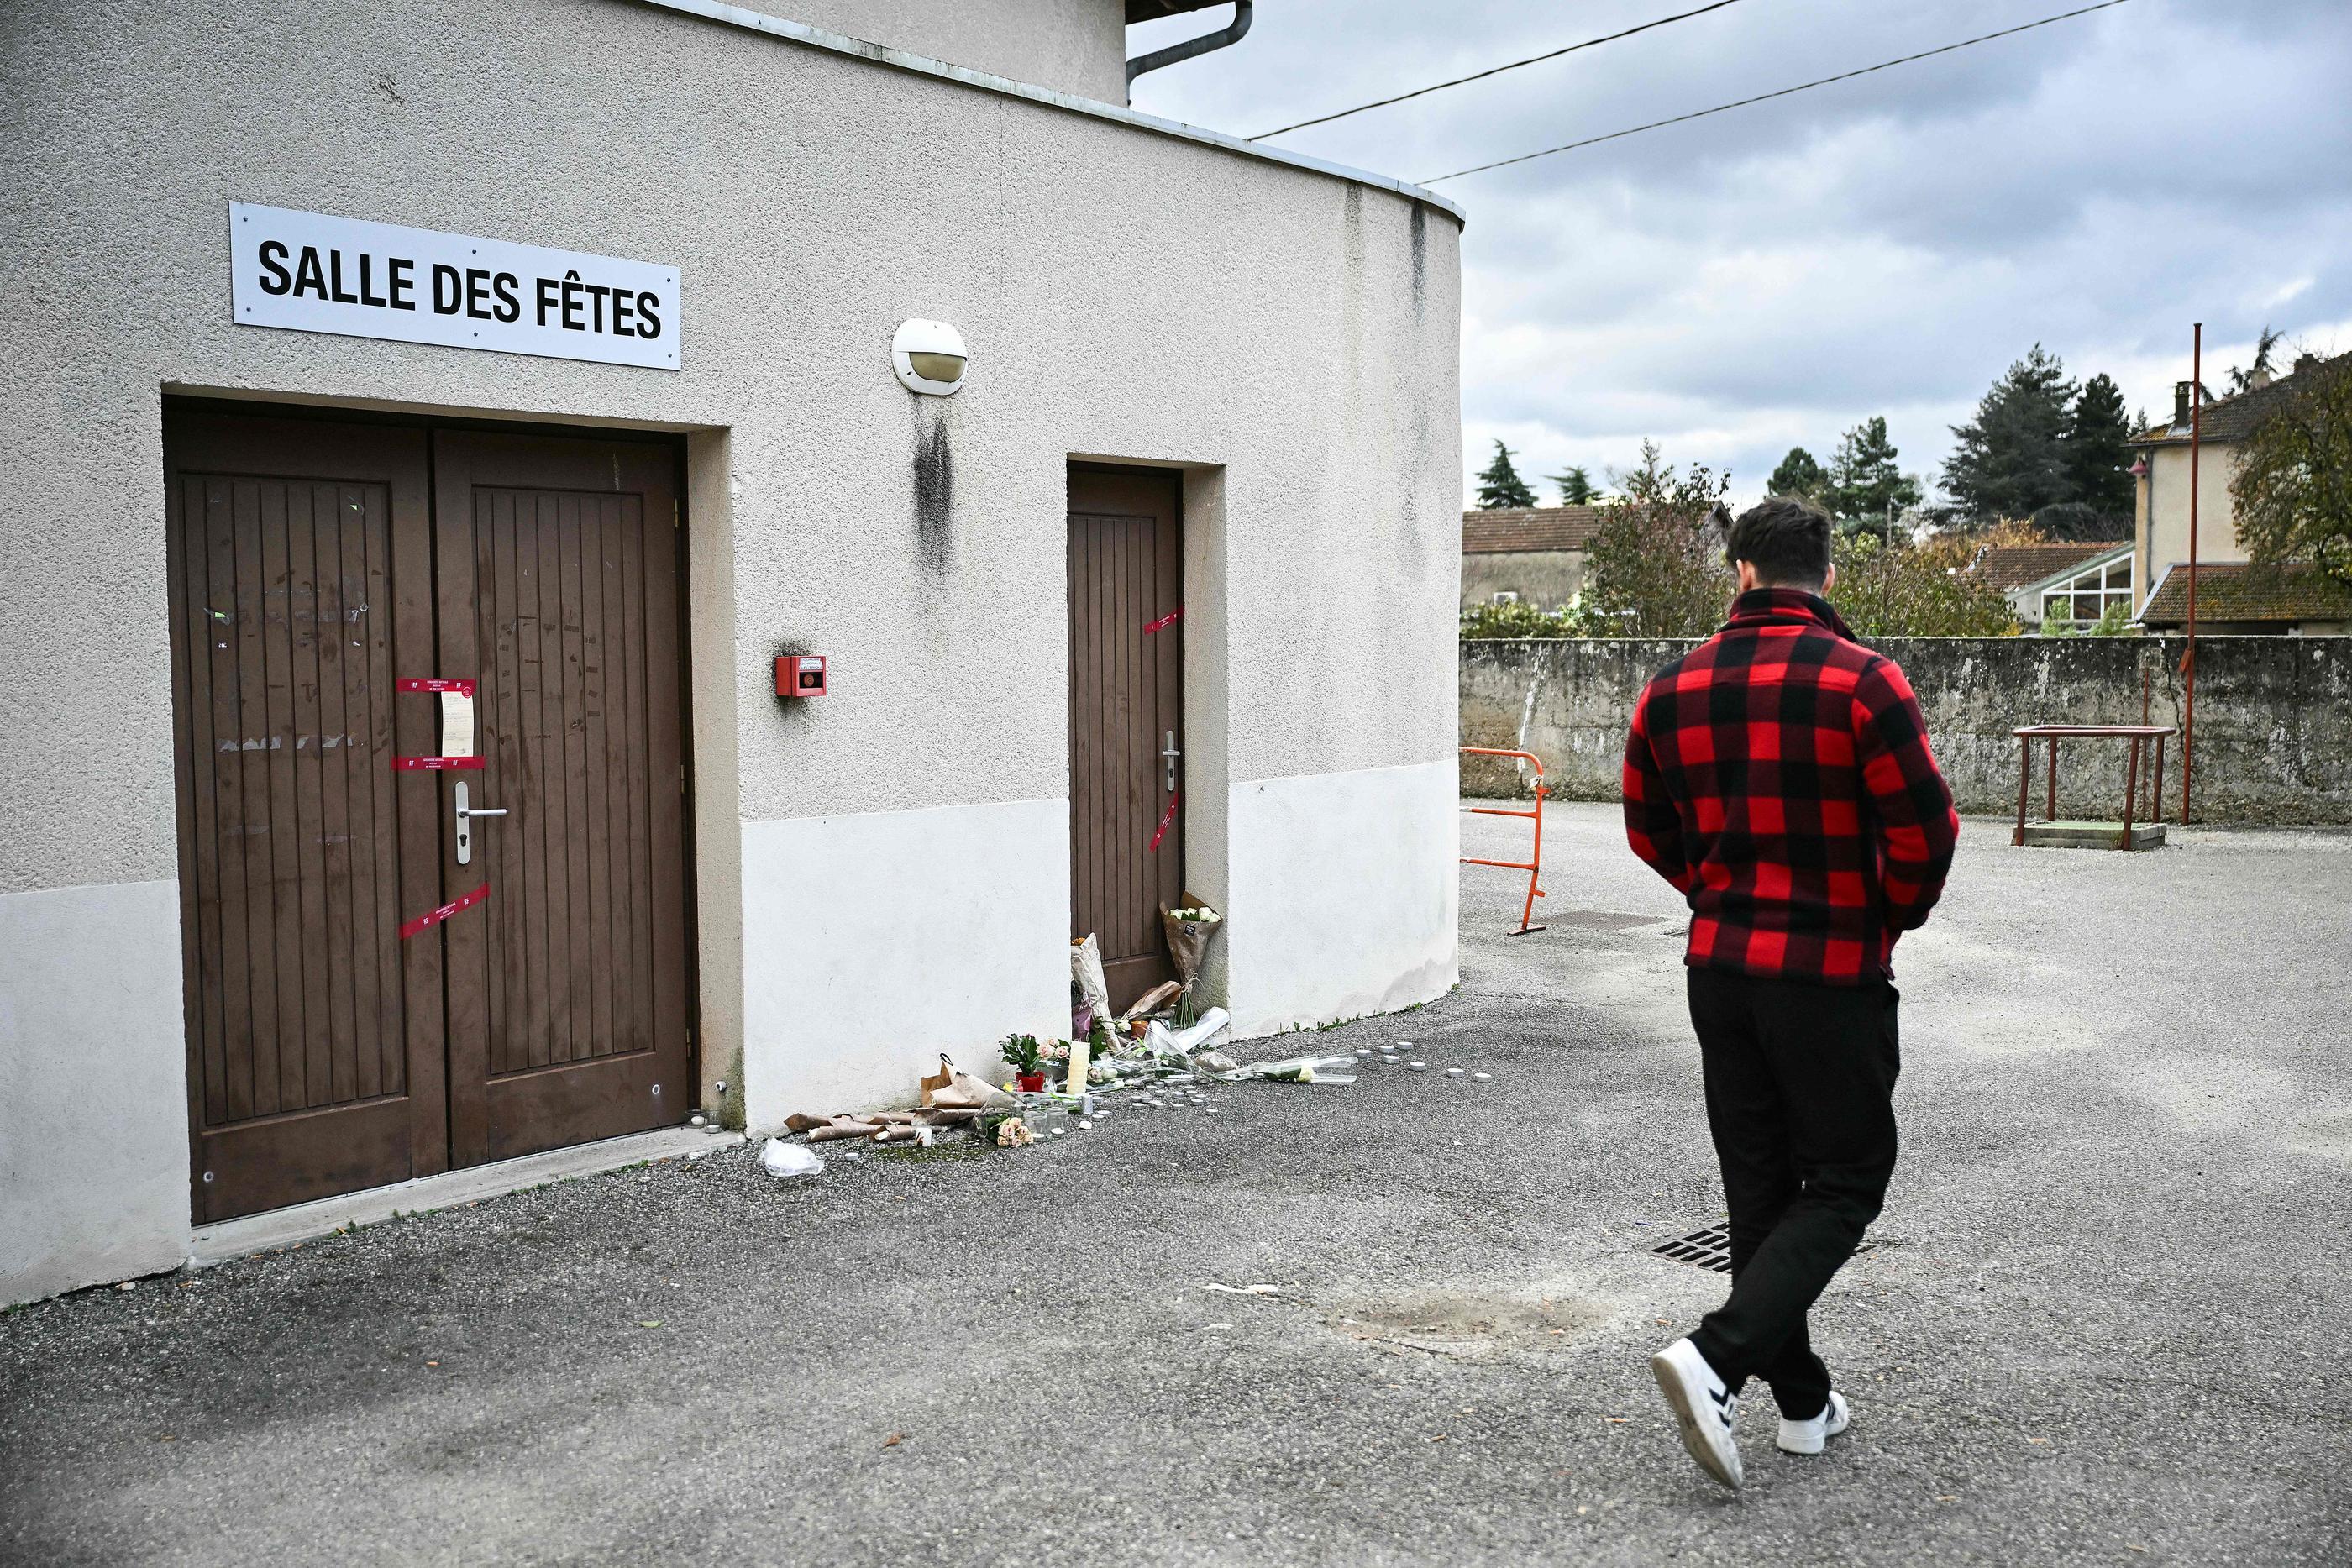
(2095, 1326)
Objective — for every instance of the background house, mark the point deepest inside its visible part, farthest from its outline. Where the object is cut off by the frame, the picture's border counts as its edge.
(1529, 555)
(2275, 599)
(2066, 582)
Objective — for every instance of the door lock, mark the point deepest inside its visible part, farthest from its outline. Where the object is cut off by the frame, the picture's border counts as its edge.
(1171, 753)
(466, 815)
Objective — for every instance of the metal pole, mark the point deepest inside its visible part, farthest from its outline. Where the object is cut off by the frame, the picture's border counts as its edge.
(2188, 664)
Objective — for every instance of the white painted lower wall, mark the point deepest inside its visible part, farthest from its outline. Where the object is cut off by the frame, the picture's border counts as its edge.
(874, 942)
(93, 1087)
(1344, 892)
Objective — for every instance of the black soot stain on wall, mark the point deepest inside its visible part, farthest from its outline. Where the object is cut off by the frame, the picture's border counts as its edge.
(1419, 233)
(934, 493)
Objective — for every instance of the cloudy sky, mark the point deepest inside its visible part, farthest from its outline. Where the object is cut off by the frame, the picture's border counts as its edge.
(1768, 276)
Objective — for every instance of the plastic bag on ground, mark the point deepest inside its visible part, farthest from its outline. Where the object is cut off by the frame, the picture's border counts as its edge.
(1306, 1070)
(779, 1158)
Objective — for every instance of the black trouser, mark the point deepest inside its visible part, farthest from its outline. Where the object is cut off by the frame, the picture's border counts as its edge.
(1800, 1097)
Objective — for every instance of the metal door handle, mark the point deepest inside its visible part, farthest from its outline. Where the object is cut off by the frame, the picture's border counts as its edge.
(1171, 753)
(460, 797)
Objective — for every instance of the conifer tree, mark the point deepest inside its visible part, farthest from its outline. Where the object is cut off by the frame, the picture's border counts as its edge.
(1576, 488)
(2098, 451)
(1868, 490)
(1500, 486)
(1799, 476)
(2010, 460)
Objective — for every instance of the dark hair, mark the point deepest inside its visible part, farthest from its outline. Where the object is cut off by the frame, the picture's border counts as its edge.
(1787, 541)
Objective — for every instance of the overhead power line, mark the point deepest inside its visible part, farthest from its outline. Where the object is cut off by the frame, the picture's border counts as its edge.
(1491, 71)
(1784, 92)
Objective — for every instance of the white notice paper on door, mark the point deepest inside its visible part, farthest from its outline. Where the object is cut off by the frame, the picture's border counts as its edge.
(457, 724)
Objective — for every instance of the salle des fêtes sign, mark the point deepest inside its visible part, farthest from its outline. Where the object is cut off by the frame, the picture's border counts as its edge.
(315, 272)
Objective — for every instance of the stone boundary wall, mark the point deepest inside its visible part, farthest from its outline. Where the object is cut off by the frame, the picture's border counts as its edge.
(2274, 717)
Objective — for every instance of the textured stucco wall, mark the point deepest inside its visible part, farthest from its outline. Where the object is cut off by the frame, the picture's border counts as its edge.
(1545, 579)
(2163, 513)
(1290, 338)
(1071, 46)
(2273, 716)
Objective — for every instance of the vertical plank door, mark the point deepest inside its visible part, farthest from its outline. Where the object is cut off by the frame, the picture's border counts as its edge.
(1127, 699)
(568, 986)
(299, 561)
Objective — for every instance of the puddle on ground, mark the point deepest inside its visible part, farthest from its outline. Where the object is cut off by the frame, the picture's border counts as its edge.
(1452, 1323)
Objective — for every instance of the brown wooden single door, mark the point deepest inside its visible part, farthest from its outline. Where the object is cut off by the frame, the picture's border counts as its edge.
(300, 570)
(1126, 718)
(568, 987)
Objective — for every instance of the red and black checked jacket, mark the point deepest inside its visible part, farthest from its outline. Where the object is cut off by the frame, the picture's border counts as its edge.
(1779, 775)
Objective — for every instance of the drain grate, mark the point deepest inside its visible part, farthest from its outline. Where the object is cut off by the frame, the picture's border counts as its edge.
(1711, 1249)
(1708, 1249)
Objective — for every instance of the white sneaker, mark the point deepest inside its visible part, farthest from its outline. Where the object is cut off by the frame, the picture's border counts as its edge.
(1703, 1407)
(1812, 1436)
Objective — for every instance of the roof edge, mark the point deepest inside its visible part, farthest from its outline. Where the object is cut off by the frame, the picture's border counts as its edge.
(801, 33)
(2100, 558)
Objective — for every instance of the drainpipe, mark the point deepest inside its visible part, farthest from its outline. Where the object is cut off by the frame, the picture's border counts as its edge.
(1192, 48)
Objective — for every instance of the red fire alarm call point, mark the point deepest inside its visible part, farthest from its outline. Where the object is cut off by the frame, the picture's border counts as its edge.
(800, 675)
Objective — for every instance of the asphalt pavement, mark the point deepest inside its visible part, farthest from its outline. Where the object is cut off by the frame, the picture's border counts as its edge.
(2101, 1321)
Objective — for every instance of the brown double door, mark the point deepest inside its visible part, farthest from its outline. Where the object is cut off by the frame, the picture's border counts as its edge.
(1126, 718)
(334, 1043)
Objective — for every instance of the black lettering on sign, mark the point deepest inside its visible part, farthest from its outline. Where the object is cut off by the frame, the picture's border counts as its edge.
(309, 277)
(646, 301)
(448, 291)
(477, 293)
(401, 282)
(335, 279)
(546, 298)
(571, 303)
(509, 308)
(368, 296)
(275, 279)
(621, 308)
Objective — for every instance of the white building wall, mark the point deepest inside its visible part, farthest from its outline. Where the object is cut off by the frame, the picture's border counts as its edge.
(1075, 46)
(1288, 336)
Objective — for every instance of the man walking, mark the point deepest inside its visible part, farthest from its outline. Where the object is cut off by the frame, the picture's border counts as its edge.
(1779, 775)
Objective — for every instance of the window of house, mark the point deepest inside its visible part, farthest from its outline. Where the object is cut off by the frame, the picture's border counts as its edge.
(2087, 598)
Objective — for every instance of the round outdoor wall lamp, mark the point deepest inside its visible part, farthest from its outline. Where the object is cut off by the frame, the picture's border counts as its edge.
(929, 357)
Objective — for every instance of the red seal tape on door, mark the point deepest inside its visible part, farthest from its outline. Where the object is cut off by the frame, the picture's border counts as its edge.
(426, 921)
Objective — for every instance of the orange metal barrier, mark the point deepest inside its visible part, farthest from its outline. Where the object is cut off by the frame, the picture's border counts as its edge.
(1532, 866)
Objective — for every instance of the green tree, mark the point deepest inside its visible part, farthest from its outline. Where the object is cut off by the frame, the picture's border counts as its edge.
(1500, 484)
(2098, 451)
(1799, 476)
(1656, 566)
(1576, 488)
(2010, 460)
(1867, 489)
(2243, 380)
(1893, 587)
(2294, 481)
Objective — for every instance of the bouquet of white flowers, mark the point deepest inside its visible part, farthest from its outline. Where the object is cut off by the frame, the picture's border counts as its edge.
(1188, 926)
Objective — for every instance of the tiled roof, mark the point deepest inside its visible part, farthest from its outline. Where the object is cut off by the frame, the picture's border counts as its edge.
(2240, 590)
(2004, 566)
(1507, 529)
(2231, 418)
